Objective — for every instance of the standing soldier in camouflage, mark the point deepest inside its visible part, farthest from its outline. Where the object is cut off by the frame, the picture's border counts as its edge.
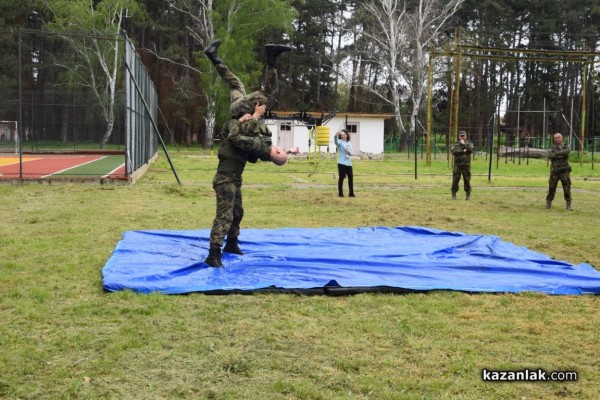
(560, 170)
(235, 150)
(462, 151)
(245, 137)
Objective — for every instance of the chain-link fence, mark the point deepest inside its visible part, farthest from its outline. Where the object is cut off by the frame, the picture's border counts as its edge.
(69, 106)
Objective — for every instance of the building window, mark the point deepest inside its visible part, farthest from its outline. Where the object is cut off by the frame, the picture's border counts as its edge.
(352, 128)
(285, 127)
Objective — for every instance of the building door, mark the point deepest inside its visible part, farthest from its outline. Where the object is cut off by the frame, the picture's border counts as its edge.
(285, 136)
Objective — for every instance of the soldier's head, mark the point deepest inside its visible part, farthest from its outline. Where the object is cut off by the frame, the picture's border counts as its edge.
(462, 135)
(246, 104)
(558, 138)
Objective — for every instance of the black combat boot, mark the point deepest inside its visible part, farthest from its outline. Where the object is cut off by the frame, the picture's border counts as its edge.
(233, 247)
(211, 52)
(468, 197)
(453, 195)
(548, 203)
(214, 256)
(273, 50)
(569, 206)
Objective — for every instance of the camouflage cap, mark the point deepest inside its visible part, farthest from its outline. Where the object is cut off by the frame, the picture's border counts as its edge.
(246, 104)
(240, 107)
(258, 97)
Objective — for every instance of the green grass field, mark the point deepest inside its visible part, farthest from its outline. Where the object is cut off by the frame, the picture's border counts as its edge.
(63, 337)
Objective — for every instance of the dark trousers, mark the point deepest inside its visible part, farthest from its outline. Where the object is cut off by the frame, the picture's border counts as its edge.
(565, 180)
(230, 212)
(465, 172)
(343, 171)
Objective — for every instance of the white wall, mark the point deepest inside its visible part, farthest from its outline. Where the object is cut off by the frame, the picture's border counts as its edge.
(368, 139)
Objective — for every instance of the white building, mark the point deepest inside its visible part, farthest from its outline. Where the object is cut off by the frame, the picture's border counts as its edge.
(366, 132)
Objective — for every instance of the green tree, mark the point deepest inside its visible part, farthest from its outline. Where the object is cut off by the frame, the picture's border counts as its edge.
(242, 25)
(23, 14)
(315, 38)
(17, 13)
(167, 46)
(245, 27)
(99, 52)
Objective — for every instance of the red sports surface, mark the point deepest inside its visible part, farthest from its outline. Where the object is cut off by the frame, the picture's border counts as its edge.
(40, 166)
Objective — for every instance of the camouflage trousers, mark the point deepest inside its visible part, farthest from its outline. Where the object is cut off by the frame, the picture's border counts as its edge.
(465, 172)
(565, 179)
(230, 210)
(236, 87)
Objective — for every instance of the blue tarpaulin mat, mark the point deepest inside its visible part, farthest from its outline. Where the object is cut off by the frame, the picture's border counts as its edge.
(339, 261)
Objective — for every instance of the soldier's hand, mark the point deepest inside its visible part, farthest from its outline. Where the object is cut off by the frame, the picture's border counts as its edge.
(259, 110)
(245, 118)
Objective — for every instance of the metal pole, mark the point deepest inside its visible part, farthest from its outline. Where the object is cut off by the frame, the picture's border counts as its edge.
(571, 123)
(20, 127)
(491, 148)
(583, 110)
(519, 125)
(544, 124)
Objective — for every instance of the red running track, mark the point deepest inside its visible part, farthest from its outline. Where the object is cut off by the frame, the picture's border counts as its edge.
(44, 165)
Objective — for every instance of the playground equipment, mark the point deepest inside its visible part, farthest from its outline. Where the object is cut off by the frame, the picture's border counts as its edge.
(320, 136)
(503, 55)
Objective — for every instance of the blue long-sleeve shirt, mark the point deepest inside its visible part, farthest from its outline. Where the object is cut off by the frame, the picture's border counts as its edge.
(344, 151)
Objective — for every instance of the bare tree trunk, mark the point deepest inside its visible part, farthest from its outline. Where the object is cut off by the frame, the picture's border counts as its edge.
(210, 121)
(400, 39)
(108, 132)
(110, 67)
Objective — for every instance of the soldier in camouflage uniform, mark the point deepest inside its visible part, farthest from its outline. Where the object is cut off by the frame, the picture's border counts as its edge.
(245, 137)
(242, 143)
(560, 170)
(241, 103)
(462, 151)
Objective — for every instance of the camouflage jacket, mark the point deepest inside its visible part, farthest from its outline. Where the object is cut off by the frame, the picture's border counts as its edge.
(462, 153)
(242, 142)
(559, 157)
